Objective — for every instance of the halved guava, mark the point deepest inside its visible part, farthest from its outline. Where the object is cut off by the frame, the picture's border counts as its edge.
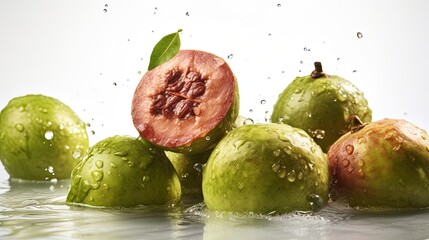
(186, 104)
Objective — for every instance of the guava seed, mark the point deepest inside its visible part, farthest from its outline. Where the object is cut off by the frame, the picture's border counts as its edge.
(180, 97)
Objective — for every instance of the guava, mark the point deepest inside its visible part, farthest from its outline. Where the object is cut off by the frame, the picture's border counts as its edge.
(383, 164)
(189, 168)
(187, 104)
(266, 168)
(41, 138)
(122, 171)
(321, 104)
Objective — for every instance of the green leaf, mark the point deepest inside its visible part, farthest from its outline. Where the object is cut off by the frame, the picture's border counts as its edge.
(165, 49)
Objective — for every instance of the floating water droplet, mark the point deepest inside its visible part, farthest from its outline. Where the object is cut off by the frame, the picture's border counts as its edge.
(19, 127)
(345, 162)
(399, 139)
(115, 84)
(300, 175)
(350, 149)
(291, 176)
(359, 35)
(248, 121)
(49, 135)
(301, 62)
(350, 169)
(397, 147)
(230, 56)
(105, 186)
(240, 185)
(97, 175)
(360, 162)
(263, 101)
(198, 167)
(207, 138)
(361, 173)
(99, 163)
(76, 154)
(277, 152)
(187, 14)
(316, 202)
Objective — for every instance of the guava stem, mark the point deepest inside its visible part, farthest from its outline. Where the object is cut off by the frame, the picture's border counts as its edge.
(318, 71)
(355, 123)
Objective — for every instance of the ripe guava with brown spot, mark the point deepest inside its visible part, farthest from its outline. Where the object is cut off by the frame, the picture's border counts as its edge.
(266, 168)
(122, 171)
(321, 104)
(383, 164)
(187, 104)
(41, 138)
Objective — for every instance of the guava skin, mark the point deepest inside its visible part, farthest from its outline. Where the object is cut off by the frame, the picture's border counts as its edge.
(321, 106)
(41, 138)
(189, 175)
(385, 164)
(266, 168)
(122, 171)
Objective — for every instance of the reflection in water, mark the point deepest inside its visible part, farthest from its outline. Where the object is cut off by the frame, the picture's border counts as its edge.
(37, 210)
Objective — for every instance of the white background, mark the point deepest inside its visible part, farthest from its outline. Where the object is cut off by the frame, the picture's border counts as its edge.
(92, 54)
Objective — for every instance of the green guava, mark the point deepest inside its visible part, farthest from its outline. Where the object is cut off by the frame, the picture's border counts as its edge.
(122, 171)
(41, 138)
(189, 168)
(266, 168)
(383, 164)
(321, 104)
(186, 104)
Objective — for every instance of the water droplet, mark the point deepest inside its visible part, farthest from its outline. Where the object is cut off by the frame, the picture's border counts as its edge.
(345, 162)
(318, 133)
(397, 147)
(240, 185)
(105, 186)
(99, 163)
(49, 135)
(115, 84)
(399, 139)
(359, 35)
(316, 202)
(424, 137)
(237, 144)
(338, 59)
(427, 148)
(121, 153)
(361, 173)
(306, 49)
(350, 149)
(350, 169)
(361, 140)
(281, 173)
(300, 175)
(277, 152)
(198, 167)
(146, 178)
(275, 167)
(230, 56)
(50, 169)
(250, 110)
(19, 127)
(291, 176)
(92, 132)
(248, 121)
(97, 175)
(263, 101)
(207, 138)
(301, 62)
(76, 154)
(187, 14)
(360, 162)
